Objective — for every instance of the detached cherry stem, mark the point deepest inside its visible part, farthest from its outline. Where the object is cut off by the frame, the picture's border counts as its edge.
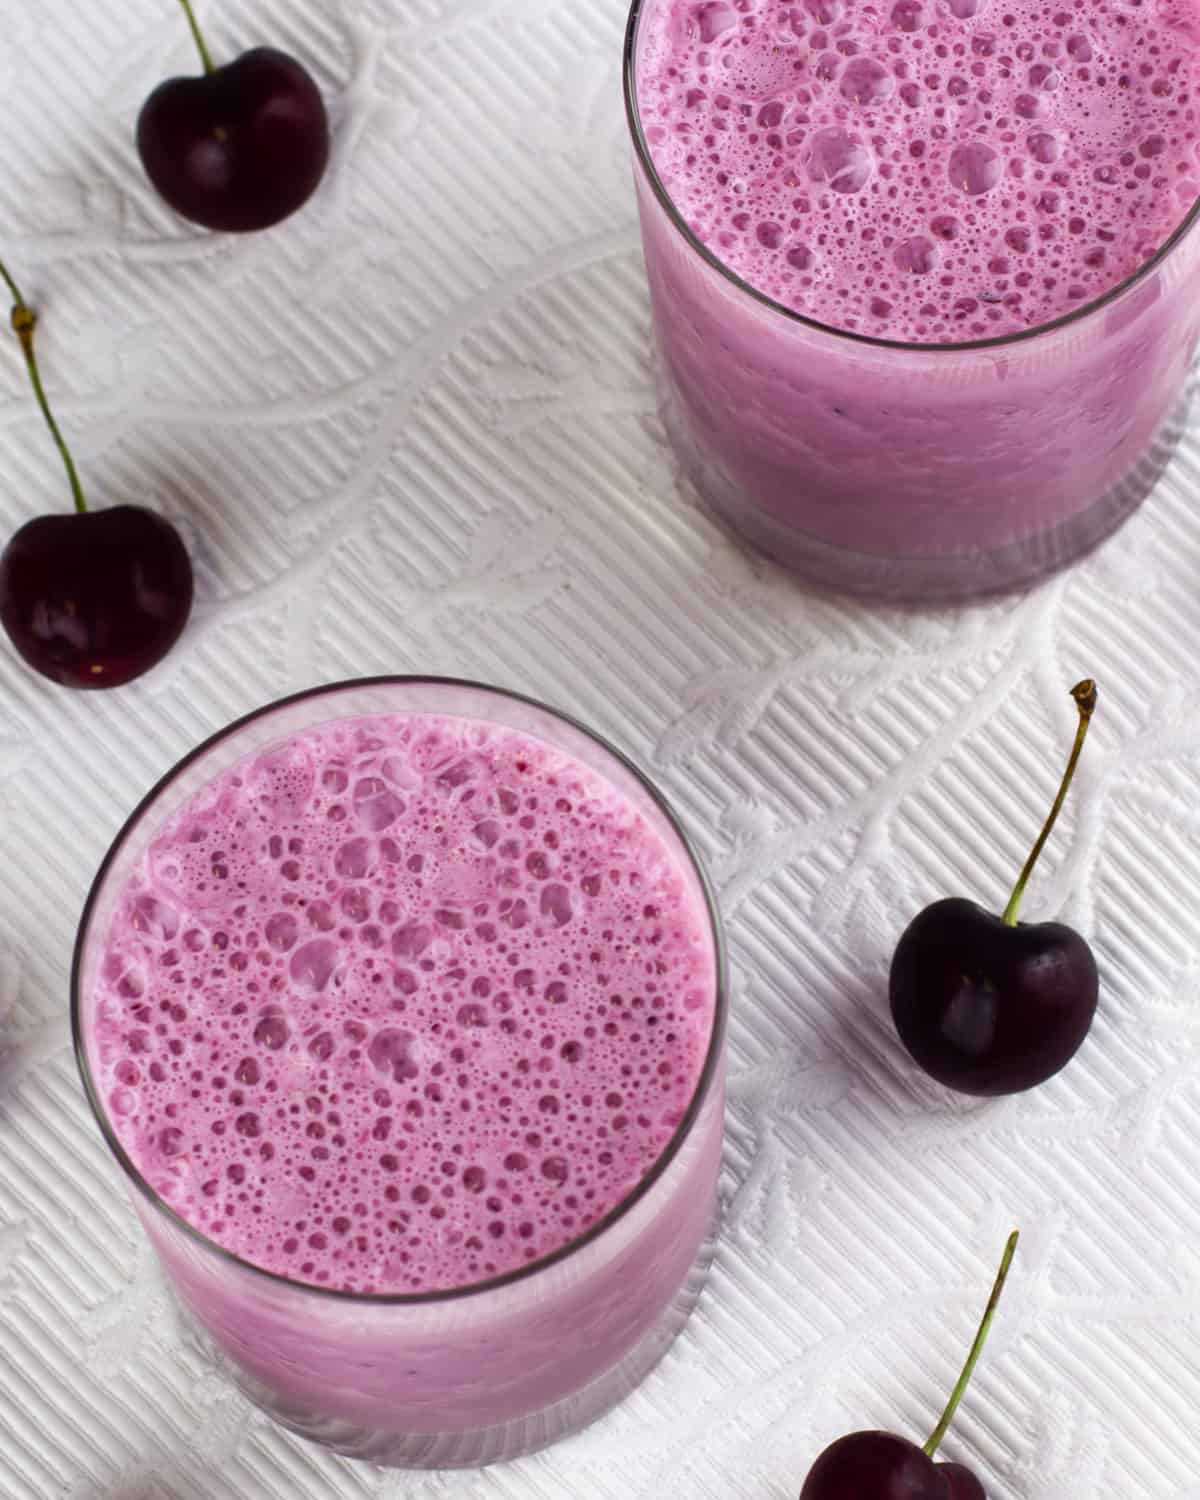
(201, 45)
(1084, 694)
(24, 321)
(989, 1312)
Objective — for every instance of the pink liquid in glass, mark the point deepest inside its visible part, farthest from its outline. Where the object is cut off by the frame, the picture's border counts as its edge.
(922, 173)
(401, 1005)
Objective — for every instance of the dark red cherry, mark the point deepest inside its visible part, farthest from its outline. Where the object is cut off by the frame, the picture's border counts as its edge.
(884, 1466)
(90, 598)
(873, 1466)
(95, 599)
(989, 1005)
(240, 147)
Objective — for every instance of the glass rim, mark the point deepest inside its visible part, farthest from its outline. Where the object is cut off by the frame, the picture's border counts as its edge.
(999, 341)
(505, 1279)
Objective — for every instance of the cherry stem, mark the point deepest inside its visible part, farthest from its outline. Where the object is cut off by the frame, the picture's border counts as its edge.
(1084, 694)
(24, 321)
(201, 47)
(989, 1312)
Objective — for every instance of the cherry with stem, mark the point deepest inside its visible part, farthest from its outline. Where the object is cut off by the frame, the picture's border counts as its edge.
(240, 147)
(990, 1005)
(873, 1465)
(89, 598)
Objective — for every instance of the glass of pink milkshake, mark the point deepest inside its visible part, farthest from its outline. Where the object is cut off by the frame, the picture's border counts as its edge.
(401, 1003)
(923, 273)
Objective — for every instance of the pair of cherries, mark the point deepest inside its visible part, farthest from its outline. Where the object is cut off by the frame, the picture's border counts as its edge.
(93, 599)
(987, 1006)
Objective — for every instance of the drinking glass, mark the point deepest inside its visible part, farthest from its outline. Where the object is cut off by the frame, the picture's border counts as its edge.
(480, 1372)
(912, 471)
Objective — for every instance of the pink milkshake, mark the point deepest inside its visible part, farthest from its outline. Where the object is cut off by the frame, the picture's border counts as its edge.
(920, 270)
(414, 1009)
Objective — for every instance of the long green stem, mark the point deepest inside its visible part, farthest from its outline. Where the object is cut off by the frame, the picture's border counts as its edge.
(989, 1312)
(1084, 694)
(201, 47)
(24, 321)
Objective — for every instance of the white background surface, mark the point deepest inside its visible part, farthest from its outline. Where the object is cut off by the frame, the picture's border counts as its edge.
(414, 430)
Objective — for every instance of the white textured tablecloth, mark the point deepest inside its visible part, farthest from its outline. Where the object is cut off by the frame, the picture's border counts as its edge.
(414, 430)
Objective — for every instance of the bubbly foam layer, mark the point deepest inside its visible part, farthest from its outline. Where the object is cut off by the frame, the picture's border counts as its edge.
(402, 1003)
(926, 170)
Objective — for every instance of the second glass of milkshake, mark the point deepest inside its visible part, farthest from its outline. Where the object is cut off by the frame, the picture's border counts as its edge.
(923, 273)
